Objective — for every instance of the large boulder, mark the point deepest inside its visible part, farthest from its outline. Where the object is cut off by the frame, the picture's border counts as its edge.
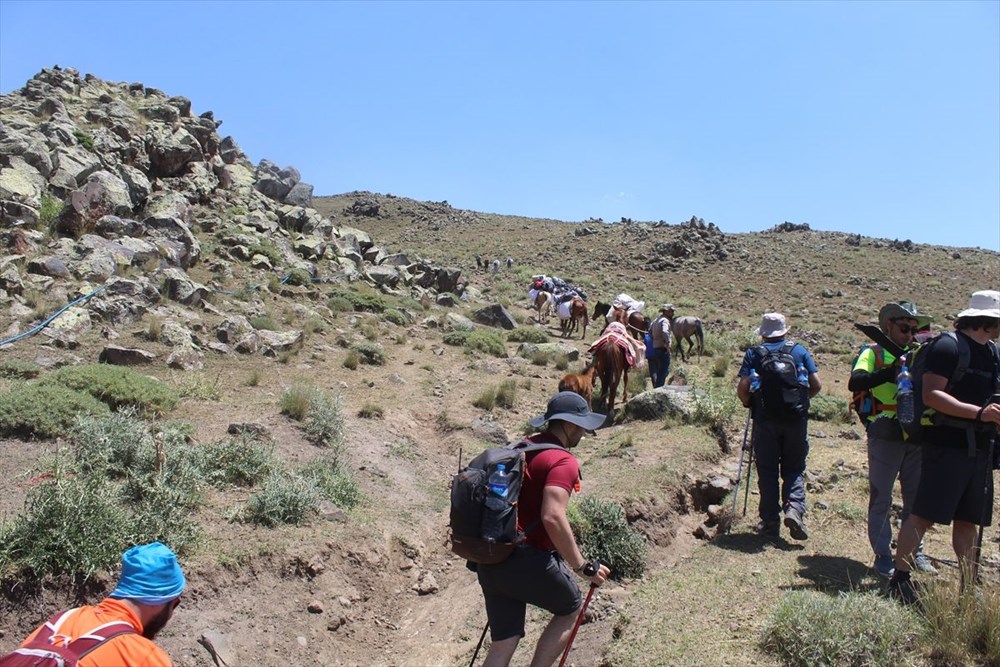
(552, 351)
(675, 401)
(170, 151)
(103, 194)
(495, 316)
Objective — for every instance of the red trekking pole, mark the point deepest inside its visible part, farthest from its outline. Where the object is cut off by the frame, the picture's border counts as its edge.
(576, 627)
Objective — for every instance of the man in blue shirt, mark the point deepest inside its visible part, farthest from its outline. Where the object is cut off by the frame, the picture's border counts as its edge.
(780, 409)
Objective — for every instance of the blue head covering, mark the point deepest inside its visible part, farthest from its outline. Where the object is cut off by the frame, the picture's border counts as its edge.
(150, 575)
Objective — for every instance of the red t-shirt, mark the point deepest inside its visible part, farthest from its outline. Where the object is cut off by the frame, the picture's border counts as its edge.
(550, 467)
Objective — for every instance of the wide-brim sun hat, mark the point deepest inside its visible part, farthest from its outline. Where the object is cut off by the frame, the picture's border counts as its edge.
(771, 325)
(667, 306)
(901, 309)
(150, 575)
(569, 407)
(985, 303)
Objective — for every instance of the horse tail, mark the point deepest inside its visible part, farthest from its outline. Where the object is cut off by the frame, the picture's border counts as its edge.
(700, 333)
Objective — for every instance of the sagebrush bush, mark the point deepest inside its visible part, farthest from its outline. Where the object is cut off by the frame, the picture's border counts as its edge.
(715, 405)
(295, 401)
(282, 498)
(528, 335)
(339, 304)
(562, 362)
(360, 301)
(506, 393)
(540, 358)
(826, 408)
(264, 322)
(118, 386)
(370, 353)
(456, 338)
(15, 368)
(325, 421)
(333, 481)
(241, 460)
(269, 250)
(352, 360)
(486, 400)
(298, 277)
(396, 316)
(113, 445)
(45, 410)
(603, 533)
(486, 341)
(814, 629)
(371, 411)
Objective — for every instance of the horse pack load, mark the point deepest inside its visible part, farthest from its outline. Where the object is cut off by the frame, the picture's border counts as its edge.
(781, 397)
(469, 490)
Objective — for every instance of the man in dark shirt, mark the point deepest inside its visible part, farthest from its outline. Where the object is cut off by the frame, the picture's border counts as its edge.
(956, 483)
(538, 572)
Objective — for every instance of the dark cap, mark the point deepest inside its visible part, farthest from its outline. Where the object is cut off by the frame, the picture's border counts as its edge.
(569, 407)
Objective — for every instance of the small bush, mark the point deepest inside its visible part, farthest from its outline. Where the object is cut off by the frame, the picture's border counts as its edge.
(456, 338)
(49, 211)
(486, 341)
(199, 387)
(528, 335)
(371, 411)
(370, 353)
(314, 324)
(360, 301)
(267, 249)
(562, 362)
(603, 533)
(715, 407)
(962, 628)
(15, 368)
(264, 322)
(814, 629)
(370, 331)
(118, 386)
(487, 399)
(296, 400)
(395, 316)
(720, 367)
(325, 420)
(506, 394)
(352, 359)
(254, 378)
(84, 139)
(298, 277)
(333, 482)
(826, 408)
(45, 411)
(239, 461)
(282, 498)
(339, 304)
(113, 445)
(540, 358)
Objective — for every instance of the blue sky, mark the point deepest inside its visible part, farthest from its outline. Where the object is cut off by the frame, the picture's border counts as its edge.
(876, 118)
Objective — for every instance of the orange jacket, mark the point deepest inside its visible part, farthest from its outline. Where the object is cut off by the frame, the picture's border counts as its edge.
(126, 650)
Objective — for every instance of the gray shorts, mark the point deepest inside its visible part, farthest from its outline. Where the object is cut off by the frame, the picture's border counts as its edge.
(530, 576)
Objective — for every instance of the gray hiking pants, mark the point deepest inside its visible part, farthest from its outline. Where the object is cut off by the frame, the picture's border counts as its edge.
(889, 457)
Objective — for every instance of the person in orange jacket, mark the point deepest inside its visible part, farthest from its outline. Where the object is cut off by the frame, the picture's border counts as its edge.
(120, 629)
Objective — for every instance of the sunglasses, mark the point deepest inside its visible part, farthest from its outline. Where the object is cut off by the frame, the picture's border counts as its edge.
(906, 328)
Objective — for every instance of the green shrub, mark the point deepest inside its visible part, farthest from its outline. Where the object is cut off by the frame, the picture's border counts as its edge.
(487, 399)
(298, 277)
(339, 304)
(370, 353)
(456, 338)
(269, 250)
(360, 301)
(118, 386)
(506, 394)
(371, 411)
(45, 410)
(15, 368)
(562, 362)
(396, 316)
(333, 481)
(325, 421)
(239, 461)
(84, 139)
(282, 498)
(603, 533)
(813, 629)
(715, 406)
(826, 408)
(296, 400)
(314, 324)
(720, 367)
(112, 445)
(200, 387)
(963, 628)
(264, 322)
(352, 359)
(540, 358)
(486, 341)
(49, 211)
(528, 335)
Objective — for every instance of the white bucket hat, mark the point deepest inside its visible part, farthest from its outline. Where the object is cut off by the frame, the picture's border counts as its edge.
(985, 303)
(771, 325)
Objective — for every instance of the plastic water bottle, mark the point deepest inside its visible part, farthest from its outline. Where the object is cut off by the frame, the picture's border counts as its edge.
(801, 375)
(497, 507)
(754, 380)
(904, 396)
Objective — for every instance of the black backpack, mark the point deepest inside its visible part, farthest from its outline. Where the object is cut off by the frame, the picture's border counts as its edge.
(917, 364)
(468, 500)
(781, 397)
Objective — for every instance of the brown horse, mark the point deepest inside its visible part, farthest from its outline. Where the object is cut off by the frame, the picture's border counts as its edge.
(571, 313)
(635, 323)
(687, 328)
(544, 305)
(581, 383)
(611, 365)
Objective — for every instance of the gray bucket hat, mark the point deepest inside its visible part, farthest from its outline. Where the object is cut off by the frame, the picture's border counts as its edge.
(569, 407)
(899, 309)
(772, 325)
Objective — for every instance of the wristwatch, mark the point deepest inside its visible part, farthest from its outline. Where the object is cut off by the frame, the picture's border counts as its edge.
(589, 569)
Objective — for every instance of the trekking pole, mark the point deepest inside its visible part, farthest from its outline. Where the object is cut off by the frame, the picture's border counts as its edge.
(576, 627)
(746, 492)
(739, 473)
(480, 644)
(986, 489)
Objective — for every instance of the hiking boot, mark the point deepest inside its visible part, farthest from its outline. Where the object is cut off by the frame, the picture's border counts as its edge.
(901, 588)
(885, 566)
(796, 527)
(768, 528)
(923, 564)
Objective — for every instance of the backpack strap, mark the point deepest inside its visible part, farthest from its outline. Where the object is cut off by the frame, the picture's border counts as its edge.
(84, 644)
(526, 446)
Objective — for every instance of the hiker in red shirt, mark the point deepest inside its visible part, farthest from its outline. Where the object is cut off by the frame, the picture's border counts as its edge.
(118, 631)
(538, 572)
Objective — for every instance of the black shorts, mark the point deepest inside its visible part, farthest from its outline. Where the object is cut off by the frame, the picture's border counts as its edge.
(954, 486)
(530, 576)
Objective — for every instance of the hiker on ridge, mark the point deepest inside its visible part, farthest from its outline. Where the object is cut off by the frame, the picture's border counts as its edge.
(124, 623)
(889, 455)
(538, 572)
(659, 330)
(780, 408)
(956, 480)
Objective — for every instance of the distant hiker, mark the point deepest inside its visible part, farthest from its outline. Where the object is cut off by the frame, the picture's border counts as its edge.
(538, 572)
(120, 629)
(956, 480)
(659, 330)
(479, 262)
(780, 408)
(873, 381)
(510, 261)
(496, 266)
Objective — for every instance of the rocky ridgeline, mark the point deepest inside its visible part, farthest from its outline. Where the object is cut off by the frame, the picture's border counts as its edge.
(118, 187)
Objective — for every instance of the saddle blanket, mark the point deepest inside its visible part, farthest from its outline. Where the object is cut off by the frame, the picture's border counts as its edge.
(615, 334)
